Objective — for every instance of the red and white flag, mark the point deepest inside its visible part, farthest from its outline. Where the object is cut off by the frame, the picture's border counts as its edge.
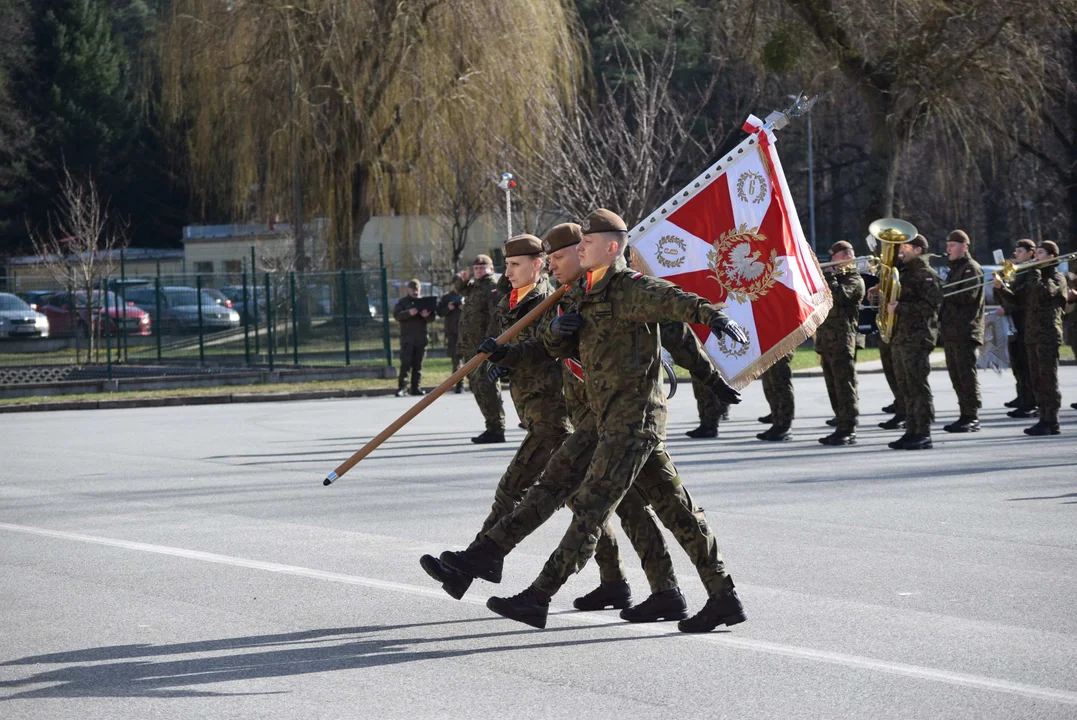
(733, 236)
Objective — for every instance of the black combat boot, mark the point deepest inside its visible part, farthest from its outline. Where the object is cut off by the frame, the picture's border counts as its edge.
(1024, 413)
(459, 388)
(616, 595)
(481, 560)
(723, 608)
(776, 434)
(891, 408)
(899, 444)
(488, 437)
(918, 442)
(832, 422)
(1073, 405)
(767, 419)
(402, 392)
(703, 432)
(1015, 403)
(895, 423)
(839, 438)
(453, 582)
(964, 424)
(529, 607)
(1044, 428)
(416, 390)
(665, 605)
(725, 414)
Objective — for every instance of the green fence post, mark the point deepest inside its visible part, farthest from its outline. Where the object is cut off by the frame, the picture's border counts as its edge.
(159, 326)
(254, 304)
(295, 321)
(385, 318)
(119, 332)
(269, 323)
(201, 334)
(108, 333)
(347, 334)
(246, 323)
(123, 301)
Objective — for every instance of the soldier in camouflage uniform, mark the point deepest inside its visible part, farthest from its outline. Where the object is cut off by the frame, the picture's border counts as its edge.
(1024, 405)
(961, 321)
(614, 333)
(916, 329)
(778, 390)
(1044, 297)
(450, 307)
(835, 342)
(478, 321)
(886, 357)
(711, 410)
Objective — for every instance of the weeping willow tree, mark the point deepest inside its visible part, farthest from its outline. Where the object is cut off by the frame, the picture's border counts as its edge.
(333, 107)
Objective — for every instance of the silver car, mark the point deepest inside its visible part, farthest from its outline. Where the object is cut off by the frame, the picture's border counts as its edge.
(18, 320)
(179, 309)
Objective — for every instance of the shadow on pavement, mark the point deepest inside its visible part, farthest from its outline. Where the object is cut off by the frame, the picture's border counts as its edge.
(1049, 497)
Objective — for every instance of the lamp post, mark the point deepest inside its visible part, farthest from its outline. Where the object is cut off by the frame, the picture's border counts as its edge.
(811, 182)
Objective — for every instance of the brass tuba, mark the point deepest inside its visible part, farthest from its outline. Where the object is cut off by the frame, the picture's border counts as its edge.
(890, 234)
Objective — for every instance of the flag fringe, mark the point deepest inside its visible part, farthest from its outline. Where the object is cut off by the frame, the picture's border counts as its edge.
(790, 343)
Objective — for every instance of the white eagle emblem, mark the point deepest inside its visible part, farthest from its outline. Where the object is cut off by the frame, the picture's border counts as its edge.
(746, 274)
(744, 263)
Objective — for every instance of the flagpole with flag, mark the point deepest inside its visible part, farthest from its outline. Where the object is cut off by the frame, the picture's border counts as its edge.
(733, 236)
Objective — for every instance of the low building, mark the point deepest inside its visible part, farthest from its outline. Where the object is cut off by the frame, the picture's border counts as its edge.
(31, 272)
(226, 250)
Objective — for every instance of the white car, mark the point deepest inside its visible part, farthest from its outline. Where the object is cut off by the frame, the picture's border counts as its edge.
(18, 321)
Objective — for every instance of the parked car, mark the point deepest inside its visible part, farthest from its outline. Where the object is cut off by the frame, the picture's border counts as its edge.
(19, 320)
(255, 301)
(33, 298)
(218, 297)
(179, 309)
(70, 313)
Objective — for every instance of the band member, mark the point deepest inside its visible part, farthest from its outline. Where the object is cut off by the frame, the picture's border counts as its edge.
(962, 323)
(1024, 405)
(1043, 297)
(413, 339)
(778, 390)
(835, 342)
(1069, 319)
(479, 320)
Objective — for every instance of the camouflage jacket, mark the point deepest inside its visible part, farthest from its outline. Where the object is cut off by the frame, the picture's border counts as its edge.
(1042, 295)
(686, 350)
(479, 319)
(536, 386)
(917, 317)
(618, 346)
(962, 316)
(837, 334)
(1013, 299)
(412, 327)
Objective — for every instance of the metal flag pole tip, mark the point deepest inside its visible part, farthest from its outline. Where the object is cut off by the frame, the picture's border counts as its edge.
(330, 478)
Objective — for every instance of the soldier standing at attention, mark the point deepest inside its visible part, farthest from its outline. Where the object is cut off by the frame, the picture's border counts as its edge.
(413, 338)
(886, 357)
(835, 342)
(962, 323)
(778, 389)
(450, 307)
(1024, 405)
(1044, 297)
(916, 329)
(479, 320)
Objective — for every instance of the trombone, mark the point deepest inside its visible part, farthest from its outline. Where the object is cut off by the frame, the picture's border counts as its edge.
(864, 263)
(1006, 274)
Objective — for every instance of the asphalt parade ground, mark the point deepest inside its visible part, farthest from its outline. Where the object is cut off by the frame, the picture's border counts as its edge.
(187, 563)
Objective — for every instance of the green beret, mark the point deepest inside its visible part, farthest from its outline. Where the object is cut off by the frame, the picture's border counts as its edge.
(919, 241)
(602, 220)
(1050, 247)
(562, 236)
(840, 246)
(958, 236)
(523, 245)
(1026, 244)
(483, 260)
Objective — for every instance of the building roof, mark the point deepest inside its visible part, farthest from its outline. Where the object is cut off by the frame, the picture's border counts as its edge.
(129, 254)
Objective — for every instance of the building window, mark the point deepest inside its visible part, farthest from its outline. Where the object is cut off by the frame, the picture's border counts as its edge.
(203, 268)
(233, 268)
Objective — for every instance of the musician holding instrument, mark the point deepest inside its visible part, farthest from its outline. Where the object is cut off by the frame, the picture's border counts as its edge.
(916, 329)
(835, 342)
(962, 323)
(1042, 295)
(1024, 405)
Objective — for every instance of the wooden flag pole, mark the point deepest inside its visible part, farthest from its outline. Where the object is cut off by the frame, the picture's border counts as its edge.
(441, 389)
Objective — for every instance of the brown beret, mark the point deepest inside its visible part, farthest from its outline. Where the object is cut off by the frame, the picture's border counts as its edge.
(958, 236)
(1050, 247)
(602, 220)
(919, 241)
(523, 245)
(413, 283)
(562, 236)
(483, 260)
(1026, 244)
(841, 246)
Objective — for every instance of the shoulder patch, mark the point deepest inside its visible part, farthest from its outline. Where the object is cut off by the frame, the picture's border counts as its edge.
(637, 276)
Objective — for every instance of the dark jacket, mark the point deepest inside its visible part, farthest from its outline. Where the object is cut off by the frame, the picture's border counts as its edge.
(479, 319)
(962, 316)
(452, 317)
(1042, 296)
(917, 321)
(412, 327)
(837, 334)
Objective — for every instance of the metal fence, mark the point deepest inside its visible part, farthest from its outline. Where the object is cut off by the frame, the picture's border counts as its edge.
(244, 319)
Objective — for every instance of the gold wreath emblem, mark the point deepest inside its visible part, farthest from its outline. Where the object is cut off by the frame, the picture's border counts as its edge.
(672, 251)
(731, 349)
(740, 270)
(751, 186)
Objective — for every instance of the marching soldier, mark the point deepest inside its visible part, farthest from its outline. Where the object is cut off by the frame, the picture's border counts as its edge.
(1024, 405)
(778, 390)
(413, 339)
(479, 320)
(835, 342)
(711, 410)
(962, 324)
(916, 329)
(1043, 296)
(450, 307)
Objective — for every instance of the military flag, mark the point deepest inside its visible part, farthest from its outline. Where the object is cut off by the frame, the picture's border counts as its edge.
(732, 235)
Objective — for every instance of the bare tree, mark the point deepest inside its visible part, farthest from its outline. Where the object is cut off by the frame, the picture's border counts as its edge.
(459, 190)
(78, 249)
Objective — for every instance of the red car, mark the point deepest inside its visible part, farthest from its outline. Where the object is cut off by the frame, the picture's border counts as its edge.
(64, 320)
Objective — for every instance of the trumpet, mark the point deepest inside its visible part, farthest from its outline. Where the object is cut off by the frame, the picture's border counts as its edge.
(890, 234)
(1006, 274)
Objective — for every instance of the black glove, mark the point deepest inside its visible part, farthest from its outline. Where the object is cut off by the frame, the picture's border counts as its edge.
(496, 352)
(724, 325)
(567, 325)
(496, 372)
(723, 390)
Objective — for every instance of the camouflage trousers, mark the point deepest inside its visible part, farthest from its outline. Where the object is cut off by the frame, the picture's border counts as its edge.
(1022, 374)
(911, 368)
(778, 389)
(709, 406)
(488, 396)
(886, 356)
(526, 465)
(961, 366)
(1043, 366)
(839, 373)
